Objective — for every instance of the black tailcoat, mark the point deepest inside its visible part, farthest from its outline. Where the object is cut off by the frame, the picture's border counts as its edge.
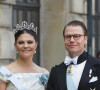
(57, 79)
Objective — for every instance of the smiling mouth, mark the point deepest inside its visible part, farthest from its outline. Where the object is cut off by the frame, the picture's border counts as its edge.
(26, 50)
(72, 45)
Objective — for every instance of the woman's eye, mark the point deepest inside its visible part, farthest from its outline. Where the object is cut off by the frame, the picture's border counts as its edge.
(30, 42)
(20, 42)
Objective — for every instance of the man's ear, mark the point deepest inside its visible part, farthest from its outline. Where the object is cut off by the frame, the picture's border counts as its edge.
(86, 39)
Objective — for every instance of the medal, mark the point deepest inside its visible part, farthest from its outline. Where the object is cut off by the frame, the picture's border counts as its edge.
(90, 72)
(69, 71)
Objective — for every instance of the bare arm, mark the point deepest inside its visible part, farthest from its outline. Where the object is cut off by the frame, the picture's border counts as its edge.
(3, 85)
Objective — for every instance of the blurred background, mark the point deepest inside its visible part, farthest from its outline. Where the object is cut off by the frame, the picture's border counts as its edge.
(50, 16)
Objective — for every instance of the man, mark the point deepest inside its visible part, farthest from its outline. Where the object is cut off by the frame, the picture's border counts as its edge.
(79, 71)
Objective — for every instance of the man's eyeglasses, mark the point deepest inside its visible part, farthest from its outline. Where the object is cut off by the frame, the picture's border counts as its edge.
(75, 37)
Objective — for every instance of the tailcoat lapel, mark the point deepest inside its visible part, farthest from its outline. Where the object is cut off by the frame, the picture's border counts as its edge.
(62, 76)
(85, 77)
(90, 64)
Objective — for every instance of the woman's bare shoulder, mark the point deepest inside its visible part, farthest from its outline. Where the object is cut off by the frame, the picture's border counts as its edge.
(43, 70)
(11, 67)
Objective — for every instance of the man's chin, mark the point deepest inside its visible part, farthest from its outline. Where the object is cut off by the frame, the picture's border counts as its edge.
(72, 50)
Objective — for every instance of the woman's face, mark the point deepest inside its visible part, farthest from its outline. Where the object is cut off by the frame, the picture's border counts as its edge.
(25, 45)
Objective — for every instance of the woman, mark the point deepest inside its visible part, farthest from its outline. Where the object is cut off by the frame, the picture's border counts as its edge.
(24, 74)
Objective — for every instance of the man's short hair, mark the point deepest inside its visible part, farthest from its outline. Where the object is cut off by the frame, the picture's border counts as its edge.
(76, 23)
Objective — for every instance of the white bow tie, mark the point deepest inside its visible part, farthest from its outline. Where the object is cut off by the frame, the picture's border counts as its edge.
(68, 60)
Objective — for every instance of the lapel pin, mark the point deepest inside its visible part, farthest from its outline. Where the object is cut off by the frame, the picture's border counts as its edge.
(90, 72)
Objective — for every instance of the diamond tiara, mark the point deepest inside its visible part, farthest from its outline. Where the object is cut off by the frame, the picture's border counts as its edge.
(25, 26)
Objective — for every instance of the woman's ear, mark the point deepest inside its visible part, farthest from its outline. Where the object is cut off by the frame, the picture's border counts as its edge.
(15, 45)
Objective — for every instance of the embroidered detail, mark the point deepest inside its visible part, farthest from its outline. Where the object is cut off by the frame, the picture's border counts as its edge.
(8, 75)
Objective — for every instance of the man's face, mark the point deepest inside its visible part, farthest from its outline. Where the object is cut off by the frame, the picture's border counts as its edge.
(74, 40)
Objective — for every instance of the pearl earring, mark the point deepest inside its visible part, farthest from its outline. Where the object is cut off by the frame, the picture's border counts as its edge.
(34, 51)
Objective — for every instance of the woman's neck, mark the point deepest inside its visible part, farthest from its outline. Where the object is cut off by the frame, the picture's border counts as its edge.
(25, 61)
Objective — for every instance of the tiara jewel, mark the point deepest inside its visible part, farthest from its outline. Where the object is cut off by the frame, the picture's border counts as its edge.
(25, 26)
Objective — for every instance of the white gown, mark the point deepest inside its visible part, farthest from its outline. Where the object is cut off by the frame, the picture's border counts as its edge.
(31, 81)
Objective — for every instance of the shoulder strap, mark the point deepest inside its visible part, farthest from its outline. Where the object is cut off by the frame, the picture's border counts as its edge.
(12, 78)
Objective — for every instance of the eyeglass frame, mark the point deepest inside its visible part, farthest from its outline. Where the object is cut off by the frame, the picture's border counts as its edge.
(70, 36)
